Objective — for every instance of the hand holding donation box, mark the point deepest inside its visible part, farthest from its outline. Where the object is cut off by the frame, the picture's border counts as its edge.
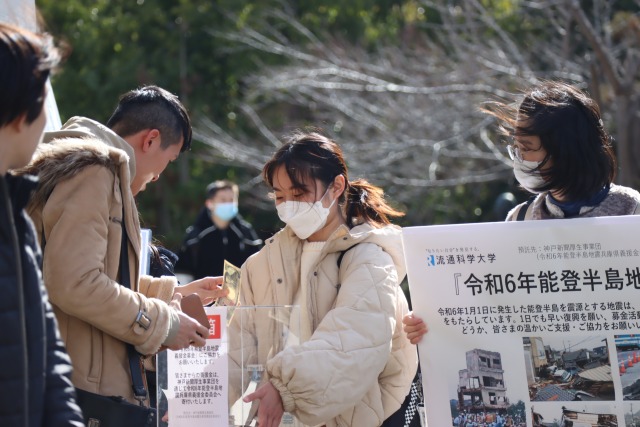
(527, 320)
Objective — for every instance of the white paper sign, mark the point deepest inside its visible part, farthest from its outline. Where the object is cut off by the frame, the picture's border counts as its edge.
(529, 322)
(145, 250)
(198, 376)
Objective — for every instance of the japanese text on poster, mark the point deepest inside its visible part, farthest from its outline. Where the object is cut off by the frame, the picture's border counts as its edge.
(528, 321)
(198, 376)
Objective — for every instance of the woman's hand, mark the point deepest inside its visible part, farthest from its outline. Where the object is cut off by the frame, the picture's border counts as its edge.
(271, 409)
(414, 327)
(208, 289)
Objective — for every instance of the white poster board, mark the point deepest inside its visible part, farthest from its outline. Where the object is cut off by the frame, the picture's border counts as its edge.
(526, 318)
(23, 14)
(145, 250)
(197, 391)
(19, 12)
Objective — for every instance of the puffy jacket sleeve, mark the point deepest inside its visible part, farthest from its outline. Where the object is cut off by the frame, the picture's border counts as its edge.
(161, 287)
(80, 225)
(60, 408)
(323, 377)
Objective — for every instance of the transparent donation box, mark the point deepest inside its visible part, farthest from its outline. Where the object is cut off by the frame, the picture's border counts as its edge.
(205, 386)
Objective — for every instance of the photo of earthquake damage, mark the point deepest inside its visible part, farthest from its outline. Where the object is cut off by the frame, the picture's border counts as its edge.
(628, 351)
(574, 414)
(482, 394)
(632, 414)
(568, 369)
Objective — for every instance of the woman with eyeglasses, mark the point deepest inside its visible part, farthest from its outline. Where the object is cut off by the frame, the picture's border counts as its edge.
(562, 153)
(341, 261)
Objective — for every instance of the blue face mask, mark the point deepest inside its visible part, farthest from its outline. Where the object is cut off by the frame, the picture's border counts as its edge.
(226, 211)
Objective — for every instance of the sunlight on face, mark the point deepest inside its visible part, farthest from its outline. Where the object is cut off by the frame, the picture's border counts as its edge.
(284, 191)
(150, 164)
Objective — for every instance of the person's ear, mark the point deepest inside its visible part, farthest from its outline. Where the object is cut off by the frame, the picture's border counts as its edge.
(19, 123)
(150, 140)
(339, 185)
(209, 204)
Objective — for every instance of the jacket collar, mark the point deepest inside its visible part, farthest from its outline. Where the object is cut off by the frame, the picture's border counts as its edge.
(389, 238)
(82, 127)
(20, 189)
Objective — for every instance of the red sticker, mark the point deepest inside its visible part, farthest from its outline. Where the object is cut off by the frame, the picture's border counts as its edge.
(215, 331)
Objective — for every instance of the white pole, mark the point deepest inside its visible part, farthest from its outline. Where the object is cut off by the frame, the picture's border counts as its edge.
(23, 13)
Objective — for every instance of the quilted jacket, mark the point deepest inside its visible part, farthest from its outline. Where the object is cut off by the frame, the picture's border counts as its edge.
(357, 367)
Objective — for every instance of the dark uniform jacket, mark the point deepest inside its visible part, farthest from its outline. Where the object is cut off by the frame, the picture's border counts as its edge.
(206, 246)
(35, 384)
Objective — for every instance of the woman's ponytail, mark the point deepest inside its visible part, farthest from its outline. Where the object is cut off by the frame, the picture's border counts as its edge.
(365, 203)
(311, 155)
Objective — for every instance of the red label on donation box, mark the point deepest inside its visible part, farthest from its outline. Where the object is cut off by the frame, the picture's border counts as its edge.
(215, 331)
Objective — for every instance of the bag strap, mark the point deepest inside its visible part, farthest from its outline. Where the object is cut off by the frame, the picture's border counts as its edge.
(523, 210)
(135, 361)
(339, 262)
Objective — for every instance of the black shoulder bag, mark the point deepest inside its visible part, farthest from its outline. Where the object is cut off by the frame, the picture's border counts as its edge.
(116, 411)
(407, 415)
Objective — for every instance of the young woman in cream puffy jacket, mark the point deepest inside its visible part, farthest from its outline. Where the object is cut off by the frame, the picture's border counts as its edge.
(351, 364)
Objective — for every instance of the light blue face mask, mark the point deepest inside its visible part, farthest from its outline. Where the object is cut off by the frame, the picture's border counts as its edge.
(226, 211)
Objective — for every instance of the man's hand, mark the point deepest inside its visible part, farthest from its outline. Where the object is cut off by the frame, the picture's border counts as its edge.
(191, 332)
(208, 289)
(414, 327)
(271, 409)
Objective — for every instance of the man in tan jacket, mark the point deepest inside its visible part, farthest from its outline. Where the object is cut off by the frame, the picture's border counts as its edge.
(89, 176)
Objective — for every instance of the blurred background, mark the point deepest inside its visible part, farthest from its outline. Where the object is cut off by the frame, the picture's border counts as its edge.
(397, 83)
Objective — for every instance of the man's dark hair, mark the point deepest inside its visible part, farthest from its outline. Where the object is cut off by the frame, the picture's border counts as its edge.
(151, 107)
(26, 60)
(223, 184)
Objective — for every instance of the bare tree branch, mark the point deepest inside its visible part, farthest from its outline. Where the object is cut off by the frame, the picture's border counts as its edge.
(407, 116)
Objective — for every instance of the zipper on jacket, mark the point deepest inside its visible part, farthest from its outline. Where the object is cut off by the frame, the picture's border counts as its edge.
(21, 307)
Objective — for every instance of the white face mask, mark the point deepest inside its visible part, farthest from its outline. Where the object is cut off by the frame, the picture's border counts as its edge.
(304, 218)
(526, 176)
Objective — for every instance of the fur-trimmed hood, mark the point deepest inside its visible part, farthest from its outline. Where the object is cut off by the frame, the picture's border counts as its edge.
(86, 211)
(80, 143)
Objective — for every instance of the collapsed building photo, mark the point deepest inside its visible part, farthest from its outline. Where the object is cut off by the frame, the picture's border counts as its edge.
(481, 386)
(571, 418)
(575, 416)
(567, 375)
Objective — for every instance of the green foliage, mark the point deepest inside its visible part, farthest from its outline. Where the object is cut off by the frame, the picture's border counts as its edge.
(460, 204)
(453, 407)
(117, 45)
(359, 20)
(517, 410)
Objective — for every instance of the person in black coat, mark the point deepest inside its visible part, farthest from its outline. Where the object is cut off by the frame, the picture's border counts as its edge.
(218, 234)
(35, 370)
